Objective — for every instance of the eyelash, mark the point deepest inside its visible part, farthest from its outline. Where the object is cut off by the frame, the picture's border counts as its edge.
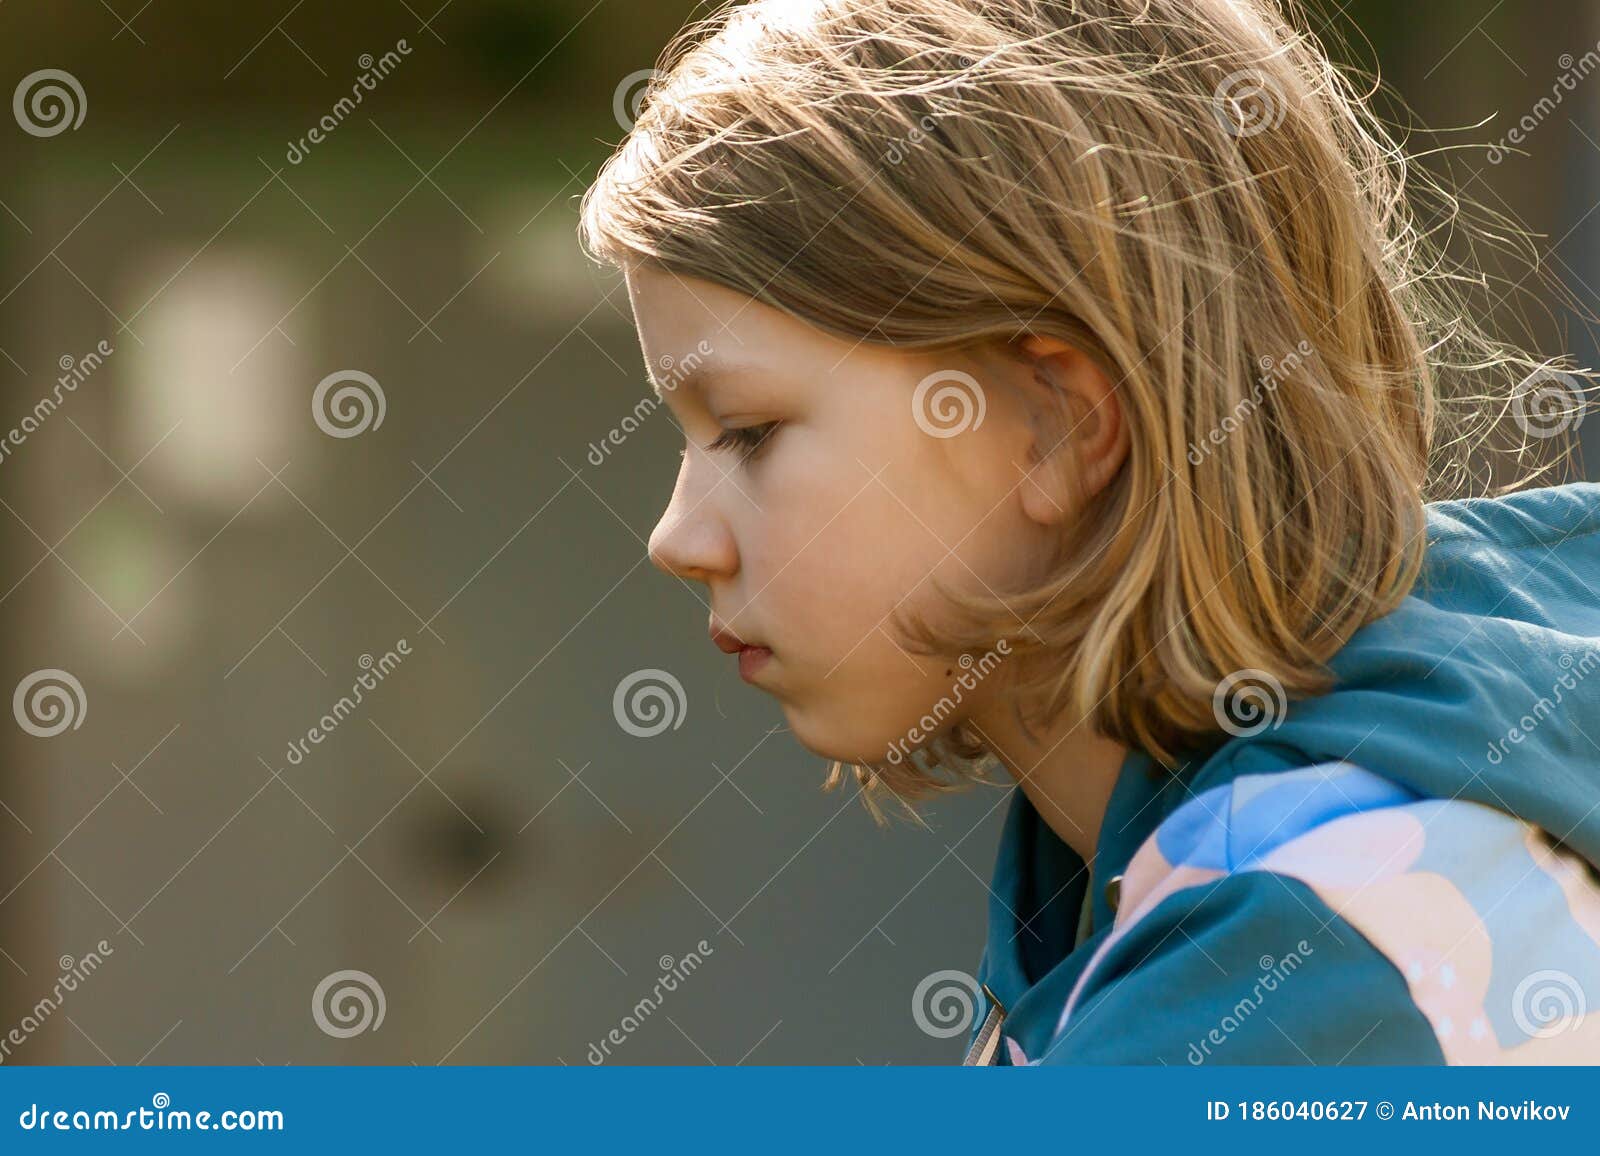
(748, 440)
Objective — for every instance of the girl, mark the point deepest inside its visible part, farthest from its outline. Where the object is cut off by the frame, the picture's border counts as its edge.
(1062, 381)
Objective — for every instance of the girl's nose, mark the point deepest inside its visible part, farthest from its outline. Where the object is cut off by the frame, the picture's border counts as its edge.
(692, 539)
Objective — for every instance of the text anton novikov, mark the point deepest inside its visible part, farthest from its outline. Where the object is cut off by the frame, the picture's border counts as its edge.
(1487, 1110)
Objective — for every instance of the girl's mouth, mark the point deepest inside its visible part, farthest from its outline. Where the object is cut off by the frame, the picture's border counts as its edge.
(751, 657)
(751, 660)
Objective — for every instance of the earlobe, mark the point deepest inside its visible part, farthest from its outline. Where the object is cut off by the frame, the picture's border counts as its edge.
(1080, 438)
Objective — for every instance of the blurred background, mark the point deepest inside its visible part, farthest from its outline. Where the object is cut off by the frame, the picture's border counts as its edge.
(205, 563)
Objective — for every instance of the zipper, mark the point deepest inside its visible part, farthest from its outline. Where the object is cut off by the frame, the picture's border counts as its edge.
(987, 1042)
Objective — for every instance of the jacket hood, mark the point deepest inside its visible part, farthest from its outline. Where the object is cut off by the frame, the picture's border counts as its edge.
(1483, 685)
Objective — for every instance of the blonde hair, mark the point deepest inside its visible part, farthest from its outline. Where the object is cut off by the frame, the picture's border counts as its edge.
(1188, 191)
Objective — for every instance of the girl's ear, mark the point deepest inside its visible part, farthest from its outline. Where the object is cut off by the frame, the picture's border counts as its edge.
(1080, 437)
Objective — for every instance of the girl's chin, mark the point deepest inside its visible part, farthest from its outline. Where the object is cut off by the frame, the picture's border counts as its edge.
(828, 739)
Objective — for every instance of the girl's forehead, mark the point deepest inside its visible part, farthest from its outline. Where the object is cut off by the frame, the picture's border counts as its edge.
(677, 315)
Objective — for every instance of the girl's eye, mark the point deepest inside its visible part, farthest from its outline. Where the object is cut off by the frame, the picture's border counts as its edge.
(748, 440)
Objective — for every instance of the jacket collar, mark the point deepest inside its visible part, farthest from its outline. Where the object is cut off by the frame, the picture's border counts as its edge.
(1039, 881)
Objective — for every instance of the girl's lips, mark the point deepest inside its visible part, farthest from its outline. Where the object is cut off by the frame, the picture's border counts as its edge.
(751, 660)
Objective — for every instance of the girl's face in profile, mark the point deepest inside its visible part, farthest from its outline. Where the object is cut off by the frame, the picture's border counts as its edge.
(820, 490)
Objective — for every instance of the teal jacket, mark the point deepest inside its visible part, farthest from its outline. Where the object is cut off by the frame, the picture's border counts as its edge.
(1400, 871)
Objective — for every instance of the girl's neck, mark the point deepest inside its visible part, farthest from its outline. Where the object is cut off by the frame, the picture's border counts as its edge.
(1067, 772)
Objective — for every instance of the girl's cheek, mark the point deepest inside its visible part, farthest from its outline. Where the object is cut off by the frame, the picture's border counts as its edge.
(825, 521)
